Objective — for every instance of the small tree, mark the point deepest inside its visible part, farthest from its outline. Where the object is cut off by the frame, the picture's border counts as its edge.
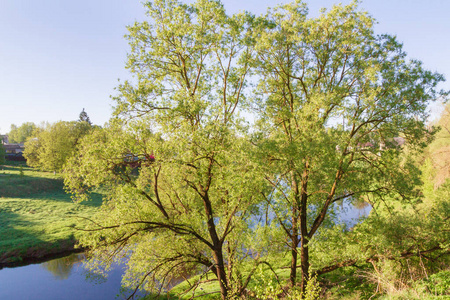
(84, 117)
(50, 147)
(22, 133)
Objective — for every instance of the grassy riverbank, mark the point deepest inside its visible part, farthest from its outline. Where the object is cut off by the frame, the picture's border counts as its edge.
(37, 218)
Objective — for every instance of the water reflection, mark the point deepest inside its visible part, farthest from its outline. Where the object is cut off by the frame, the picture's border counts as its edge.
(351, 212)
(361, 205)
(63, 278)
(61, 268)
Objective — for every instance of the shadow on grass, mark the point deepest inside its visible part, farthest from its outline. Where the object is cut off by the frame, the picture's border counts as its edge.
(37, 216)
(13, 164)
(22, 243)
(26, 187)
(16, 244)
(14, 185)
(45, 189)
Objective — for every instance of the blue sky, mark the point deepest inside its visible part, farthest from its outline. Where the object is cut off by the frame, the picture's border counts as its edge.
(59, 56)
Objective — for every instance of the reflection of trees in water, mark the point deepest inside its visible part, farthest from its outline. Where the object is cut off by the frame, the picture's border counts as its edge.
(62, 267)
(350, 211)
(93, 277)
(360, 204)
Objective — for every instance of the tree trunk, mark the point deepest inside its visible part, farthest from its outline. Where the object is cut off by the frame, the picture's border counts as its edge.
(304, 240)
(220, 272)
(294, 245)
(217, 248)
(304, 259)
(295, 230)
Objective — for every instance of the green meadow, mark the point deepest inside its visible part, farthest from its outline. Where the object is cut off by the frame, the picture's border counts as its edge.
(37, 218)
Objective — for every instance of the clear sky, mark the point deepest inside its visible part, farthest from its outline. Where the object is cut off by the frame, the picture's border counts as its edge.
(60, 56)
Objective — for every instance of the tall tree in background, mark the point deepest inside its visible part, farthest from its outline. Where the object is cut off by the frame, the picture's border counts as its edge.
(84, 117)
(22, 133)
(332, 96)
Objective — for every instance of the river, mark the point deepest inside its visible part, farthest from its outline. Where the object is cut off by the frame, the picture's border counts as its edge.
(59, 279)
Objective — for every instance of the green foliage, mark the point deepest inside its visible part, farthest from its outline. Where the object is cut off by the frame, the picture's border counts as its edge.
(348, 283)
(266, 284)
(313, 289)
(436, 159)
(50, 147)
(405, 241)
(437, 284)
(434, 287)
(22, 133)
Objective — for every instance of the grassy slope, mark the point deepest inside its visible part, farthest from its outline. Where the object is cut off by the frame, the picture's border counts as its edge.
(36, 215)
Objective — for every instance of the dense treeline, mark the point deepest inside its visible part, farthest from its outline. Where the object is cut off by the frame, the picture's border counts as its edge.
(192, 188)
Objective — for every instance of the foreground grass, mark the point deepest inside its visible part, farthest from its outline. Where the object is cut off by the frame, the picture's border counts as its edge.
(37, 218)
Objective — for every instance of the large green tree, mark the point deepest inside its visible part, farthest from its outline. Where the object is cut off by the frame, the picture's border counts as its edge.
(22, 133)
(174, 159)
(51, 146)
(333, 95)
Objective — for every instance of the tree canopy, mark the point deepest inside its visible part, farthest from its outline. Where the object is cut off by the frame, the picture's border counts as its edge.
(191, 187)
(51, 146)
(332, 97)
(22, 133)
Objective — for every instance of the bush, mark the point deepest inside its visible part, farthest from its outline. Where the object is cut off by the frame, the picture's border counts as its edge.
(437, 284)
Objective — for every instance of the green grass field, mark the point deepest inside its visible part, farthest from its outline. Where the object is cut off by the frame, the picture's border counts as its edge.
(37, 218)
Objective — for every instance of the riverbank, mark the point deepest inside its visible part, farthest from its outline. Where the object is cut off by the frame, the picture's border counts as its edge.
(38, 220)
(38, 254)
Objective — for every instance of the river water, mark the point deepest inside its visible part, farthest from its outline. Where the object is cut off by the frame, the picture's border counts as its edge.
(59, 279)
(66, 278)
